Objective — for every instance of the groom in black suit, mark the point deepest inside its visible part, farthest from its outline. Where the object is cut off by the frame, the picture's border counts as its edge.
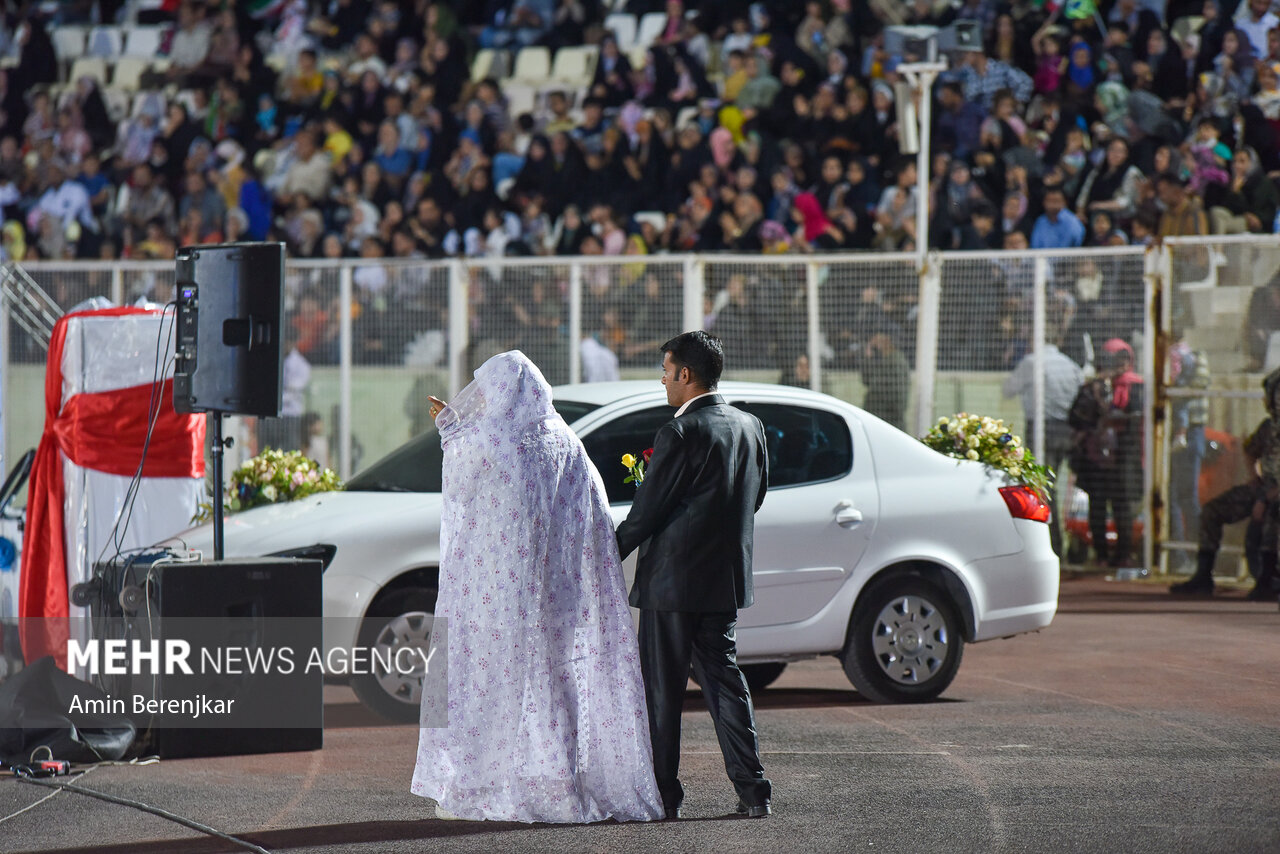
(693, 520)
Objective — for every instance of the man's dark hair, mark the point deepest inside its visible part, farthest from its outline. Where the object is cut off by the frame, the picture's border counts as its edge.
(700, 352)
(1171, 178)
(1055, 188)
(983, 208)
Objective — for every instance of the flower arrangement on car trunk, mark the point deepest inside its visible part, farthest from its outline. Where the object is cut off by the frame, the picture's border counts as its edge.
(988, 440)
(271, 477)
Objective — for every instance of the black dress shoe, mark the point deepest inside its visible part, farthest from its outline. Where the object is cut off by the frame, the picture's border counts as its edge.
(1195, 586)
(1261, 592)
(754, 810)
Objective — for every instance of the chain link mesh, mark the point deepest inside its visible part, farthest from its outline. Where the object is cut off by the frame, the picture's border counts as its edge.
(1222, 296)
(760, 313)
(1224, 308)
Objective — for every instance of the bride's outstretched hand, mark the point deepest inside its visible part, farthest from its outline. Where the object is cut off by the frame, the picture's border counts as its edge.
(437, 406)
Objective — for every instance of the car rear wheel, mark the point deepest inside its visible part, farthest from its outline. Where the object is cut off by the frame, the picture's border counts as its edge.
(904, 642)
(398, 619)
(759, 676)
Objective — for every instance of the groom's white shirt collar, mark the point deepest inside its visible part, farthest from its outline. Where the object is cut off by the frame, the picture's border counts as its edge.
(681, 410)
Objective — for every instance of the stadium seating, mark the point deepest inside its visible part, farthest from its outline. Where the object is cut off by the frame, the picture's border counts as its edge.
(623, 28)
(651, 26)
(533, 66)
(106, 42)
(575, 66)
(127, 74)
(89, 66)
(144, 41)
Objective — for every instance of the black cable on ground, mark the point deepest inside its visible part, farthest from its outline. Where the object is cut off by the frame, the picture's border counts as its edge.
(138, 805)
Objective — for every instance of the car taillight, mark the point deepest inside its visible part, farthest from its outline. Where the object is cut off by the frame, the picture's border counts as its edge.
(1024, 503)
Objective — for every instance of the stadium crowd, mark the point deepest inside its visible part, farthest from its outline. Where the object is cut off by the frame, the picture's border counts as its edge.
(761, 127)
(770, 126)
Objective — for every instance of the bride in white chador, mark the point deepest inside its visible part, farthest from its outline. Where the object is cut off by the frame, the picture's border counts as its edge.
(545, 705)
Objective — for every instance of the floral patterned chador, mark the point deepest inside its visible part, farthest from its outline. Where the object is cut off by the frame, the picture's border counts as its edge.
(546, 713)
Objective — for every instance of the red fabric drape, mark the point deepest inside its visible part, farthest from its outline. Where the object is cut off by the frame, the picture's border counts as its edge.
(104, 431)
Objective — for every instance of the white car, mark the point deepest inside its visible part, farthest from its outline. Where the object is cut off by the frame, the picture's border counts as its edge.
(870, 546)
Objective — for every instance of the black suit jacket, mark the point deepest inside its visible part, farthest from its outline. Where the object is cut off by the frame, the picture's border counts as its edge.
(694, 515)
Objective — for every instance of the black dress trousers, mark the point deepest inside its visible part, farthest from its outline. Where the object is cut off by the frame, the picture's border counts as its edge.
(669, 642)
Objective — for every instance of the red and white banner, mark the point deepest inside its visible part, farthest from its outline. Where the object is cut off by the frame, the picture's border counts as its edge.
(98, 388)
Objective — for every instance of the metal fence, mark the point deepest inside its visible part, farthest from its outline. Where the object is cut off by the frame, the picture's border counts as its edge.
(371, 338)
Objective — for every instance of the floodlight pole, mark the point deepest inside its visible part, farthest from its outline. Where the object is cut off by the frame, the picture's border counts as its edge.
(920, 76)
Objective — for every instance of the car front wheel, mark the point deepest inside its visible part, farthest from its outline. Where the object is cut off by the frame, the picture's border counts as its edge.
(398, 619)
(904, 642)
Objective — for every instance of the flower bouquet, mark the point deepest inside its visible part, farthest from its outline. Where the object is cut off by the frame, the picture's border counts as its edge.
(988, 440)
(270, 477)
(636, 466)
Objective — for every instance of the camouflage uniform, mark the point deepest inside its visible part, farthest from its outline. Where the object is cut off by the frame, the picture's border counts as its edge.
(1238, 503)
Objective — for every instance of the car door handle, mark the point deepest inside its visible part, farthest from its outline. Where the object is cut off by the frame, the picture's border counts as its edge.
(847, 515)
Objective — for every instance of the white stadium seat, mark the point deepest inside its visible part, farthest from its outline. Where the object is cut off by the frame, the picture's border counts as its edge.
(89, 66)
(128, 72)
(520, 99)
(117, 103)
(106, 42)
(68, 43)
(575, 65)
(482, 65)
(533, 65)
(651, 26)
(144, 42)
(623, 28)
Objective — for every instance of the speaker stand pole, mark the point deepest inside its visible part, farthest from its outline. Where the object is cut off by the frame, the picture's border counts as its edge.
(216, 419)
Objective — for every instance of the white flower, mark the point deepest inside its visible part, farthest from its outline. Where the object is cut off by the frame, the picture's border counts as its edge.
(269, 492)
(944, 420)
(1016, 471)
(1018, 453)
(973, 442)
(972, 454)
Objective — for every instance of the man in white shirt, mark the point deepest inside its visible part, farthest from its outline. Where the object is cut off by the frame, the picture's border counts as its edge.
(599, 363)
(1255, 20)
(1062, 379)
(66, 200)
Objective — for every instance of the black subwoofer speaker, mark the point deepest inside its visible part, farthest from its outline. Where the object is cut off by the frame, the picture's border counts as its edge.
(249, 625)
(229, 328)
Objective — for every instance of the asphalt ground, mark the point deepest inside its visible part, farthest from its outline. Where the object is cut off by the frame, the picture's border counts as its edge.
(1136, 722)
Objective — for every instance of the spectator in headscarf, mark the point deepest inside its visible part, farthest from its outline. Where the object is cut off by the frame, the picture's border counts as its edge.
(814, 232)
(612, 80)
(1250, 201)
(1113, 185)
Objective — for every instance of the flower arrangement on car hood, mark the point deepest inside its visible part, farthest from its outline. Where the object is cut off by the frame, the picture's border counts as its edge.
(273, 476)
(988, 440)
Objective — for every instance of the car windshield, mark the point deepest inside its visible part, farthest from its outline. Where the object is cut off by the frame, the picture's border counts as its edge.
(415, 466)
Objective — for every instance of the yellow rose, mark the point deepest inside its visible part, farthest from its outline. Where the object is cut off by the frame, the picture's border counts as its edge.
(973, 455)
(1015, 471)
(628, 460)
(973, 441)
